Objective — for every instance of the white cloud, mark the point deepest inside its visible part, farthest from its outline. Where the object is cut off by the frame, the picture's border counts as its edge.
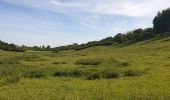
(105, 17)
(134, 8)
(93, 13)
(57, 3)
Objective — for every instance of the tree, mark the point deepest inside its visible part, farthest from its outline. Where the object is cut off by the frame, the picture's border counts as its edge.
(120, 38)
(108, 41)
(148, 33)
(161, 22)
(11, 47)
(48, 48)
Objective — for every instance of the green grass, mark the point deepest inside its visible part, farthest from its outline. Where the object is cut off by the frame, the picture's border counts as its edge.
(140, 71)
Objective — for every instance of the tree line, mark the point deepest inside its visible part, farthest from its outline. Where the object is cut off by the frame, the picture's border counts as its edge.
(11, 47)
(161, 25)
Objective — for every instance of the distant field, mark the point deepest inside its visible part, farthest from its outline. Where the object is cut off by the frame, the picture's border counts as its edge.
(139, 71)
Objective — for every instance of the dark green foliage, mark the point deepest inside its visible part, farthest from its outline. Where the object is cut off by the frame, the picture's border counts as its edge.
(161, 22)
(111, 74)
(94, 76)
(88, 62)
(57, 63)
(148, 33)
(61, 73)
(107, 41)
(75, 46)
(73, 73)
(78, 73)
(134, 36)
(41, 48)
(55, 51)
(11, 47)
(34, 74)
(130, 37)
(120, 38)
(133, 73)
(125, 64)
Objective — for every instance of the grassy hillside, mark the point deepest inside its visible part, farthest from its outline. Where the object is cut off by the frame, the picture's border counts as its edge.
(140, 71)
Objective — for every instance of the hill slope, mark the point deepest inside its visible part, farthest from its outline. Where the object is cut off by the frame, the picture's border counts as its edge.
(142, 69)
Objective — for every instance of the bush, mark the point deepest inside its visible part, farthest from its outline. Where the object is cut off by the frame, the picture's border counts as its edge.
(132, 73)
(61, 73)
(111, 74)
(34, 74)
(88, 62)
(94, 76)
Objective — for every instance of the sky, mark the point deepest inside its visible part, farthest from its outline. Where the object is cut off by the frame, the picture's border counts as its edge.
(63, 22)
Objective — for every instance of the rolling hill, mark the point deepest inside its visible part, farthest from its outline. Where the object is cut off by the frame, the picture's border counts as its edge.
(140, 71)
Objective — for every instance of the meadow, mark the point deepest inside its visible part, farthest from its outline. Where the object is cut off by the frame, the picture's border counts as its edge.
(140, 71)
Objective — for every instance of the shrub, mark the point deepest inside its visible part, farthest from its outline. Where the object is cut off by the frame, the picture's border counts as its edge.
(61, 73)
(132, 73)
(88, 62)
(111, 74)
(34, 74)
(94, 76)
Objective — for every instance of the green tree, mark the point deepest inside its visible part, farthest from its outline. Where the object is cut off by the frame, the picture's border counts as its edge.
(161, 22)
(120, 38)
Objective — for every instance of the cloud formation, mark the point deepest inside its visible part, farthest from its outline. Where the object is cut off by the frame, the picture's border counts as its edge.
(133, 8)
(67, 21)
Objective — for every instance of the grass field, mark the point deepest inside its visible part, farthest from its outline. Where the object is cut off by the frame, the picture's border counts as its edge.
(140, 71)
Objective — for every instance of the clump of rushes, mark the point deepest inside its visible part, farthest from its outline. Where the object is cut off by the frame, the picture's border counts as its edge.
(125, 64)
(88, 62)
(61, 74)
(110, 74)
(78, 73)
(34, 74)
(133, 72)
(57, 63)
(94, 76)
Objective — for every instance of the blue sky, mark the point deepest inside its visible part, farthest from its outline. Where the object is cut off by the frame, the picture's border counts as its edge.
(62, 22)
